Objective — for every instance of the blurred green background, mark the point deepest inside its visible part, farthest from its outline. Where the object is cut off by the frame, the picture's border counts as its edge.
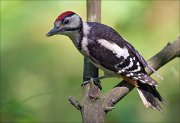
(38, 74)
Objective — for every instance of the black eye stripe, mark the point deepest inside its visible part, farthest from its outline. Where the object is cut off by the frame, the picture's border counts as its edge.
(72, 29)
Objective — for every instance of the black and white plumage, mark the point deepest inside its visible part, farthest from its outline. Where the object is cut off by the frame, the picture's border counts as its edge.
(107, 50)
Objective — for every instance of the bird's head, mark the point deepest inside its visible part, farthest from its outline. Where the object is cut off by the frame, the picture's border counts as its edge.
(66, 23)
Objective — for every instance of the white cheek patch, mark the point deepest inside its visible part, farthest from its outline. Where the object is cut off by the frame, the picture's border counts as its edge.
(74, 21)
(114, 48)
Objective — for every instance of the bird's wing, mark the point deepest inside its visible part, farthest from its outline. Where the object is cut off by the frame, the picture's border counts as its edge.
(141, 59)
(136, 53)
(120, 60)
(101, 31)
(108, 49)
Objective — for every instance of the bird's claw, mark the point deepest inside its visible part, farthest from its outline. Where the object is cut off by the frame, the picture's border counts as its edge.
(84, 83)
(96, 81)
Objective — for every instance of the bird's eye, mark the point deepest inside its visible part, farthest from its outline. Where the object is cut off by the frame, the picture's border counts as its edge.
(66, 21)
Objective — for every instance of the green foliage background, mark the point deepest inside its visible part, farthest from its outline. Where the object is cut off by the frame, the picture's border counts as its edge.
(38, 74)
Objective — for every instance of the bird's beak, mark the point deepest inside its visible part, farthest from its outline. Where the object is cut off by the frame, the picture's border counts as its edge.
(53, 32)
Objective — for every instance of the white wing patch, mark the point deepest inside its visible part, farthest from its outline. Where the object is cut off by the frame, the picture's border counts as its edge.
(114, 48)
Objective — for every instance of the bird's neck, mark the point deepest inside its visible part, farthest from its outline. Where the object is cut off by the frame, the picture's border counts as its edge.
(77, 36)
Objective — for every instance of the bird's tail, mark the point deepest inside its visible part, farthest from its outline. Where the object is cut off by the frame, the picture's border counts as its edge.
(150, 96)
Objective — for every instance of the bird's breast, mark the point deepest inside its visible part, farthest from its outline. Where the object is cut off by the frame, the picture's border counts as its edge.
(84, 46)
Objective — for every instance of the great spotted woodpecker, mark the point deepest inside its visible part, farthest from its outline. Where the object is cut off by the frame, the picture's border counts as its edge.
(107, 50)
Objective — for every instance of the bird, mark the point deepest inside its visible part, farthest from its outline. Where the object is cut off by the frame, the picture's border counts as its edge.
(110, 52)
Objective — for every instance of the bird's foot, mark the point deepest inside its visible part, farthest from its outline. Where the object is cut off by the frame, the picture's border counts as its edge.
(95, 87)
(96, 81)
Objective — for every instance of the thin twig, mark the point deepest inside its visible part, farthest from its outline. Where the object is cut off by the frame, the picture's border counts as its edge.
(75, 103)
